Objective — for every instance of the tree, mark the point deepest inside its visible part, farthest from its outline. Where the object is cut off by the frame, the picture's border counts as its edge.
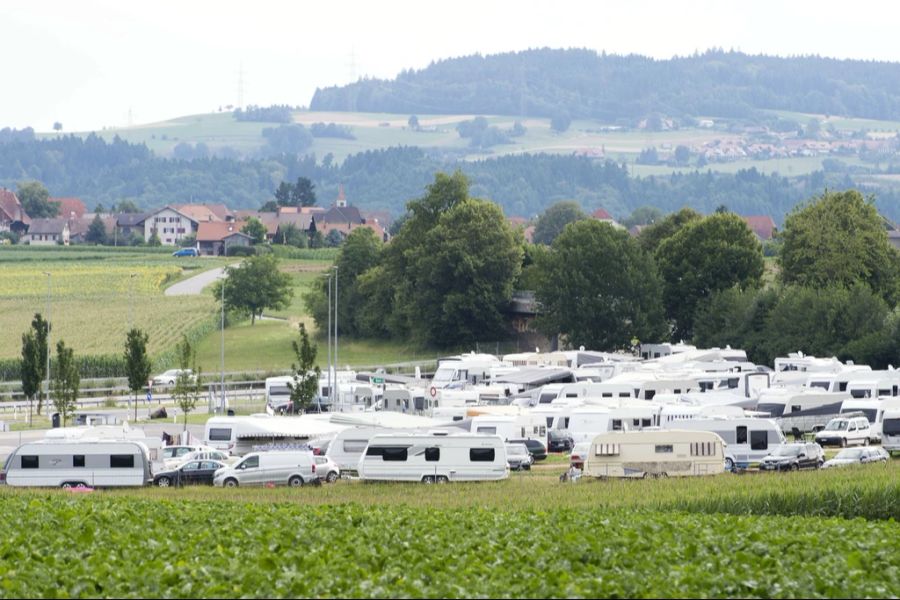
(304, 192)
(187, 384)
(154, 239)
(65, 381)
(682, 155)
(125, 206)
(550, 224)
(839, 239)
(270, 206)
(643, 215)
(96, 233)
(306, 373)
(652, 236)
(41, 329)
(30, 369)
(57, 126)
(334, 239)
(137, 362)
(256, 284)
(413, 122)
(560, 122)
(255, 229)
(599, 289)
(35, 199)
(291, 235)
(704, 256)
(284, 194)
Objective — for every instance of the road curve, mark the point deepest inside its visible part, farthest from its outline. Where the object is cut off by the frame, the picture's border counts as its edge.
(194, 285)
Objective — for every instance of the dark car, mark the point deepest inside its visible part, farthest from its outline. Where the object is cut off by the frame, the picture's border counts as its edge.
(194, 472)
(559, 441)
(792, 457)
(535, 447)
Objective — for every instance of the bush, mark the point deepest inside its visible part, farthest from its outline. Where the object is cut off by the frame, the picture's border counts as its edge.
(241, 251)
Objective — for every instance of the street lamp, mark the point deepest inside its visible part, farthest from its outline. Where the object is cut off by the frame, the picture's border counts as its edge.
(222, 342)
(336, 331)
(131, 300)
(47, 396)
(328, 337)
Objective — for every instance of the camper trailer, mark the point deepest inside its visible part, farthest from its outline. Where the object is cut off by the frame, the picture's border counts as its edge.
(348, 446)
(662, 453)
(749, 439)
(510, 427)
(434, 458)
(82, 462)
(458, 372)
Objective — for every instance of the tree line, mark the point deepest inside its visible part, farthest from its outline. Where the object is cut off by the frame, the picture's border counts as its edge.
(580, 83)
(447, 277)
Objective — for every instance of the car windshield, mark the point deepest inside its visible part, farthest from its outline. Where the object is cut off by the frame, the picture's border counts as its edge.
(516, 449)
(788, 451)
(849, 454)
(837, 425)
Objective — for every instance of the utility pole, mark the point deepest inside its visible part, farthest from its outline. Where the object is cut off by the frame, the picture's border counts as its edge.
(328, 337)
(336, 334)
(48, 339)
(222, 343)
(131, 302)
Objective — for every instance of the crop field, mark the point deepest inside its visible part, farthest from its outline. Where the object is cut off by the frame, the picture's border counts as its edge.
(822, 534)
(93, 297)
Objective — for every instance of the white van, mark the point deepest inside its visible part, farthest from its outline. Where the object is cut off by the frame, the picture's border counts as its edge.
(434, 458)
(663, 453)
(845, 431)
(289, 467)
(67, 463)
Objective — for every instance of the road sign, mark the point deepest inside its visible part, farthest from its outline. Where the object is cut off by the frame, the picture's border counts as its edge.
(378, 380)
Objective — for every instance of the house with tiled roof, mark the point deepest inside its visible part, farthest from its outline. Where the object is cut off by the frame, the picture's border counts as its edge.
(762, 225)
(602, 215)
(47, 232)
(70, 208)
(12, 215)
(172, 224)
(214, 238)
(343, 218)
(205, 212)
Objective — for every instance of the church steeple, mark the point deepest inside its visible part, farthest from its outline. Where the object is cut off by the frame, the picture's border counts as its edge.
(341, 199)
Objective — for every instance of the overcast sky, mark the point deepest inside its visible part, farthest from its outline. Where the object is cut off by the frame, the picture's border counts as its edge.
(92, 63)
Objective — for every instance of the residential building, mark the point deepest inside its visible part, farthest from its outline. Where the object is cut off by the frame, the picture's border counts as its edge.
(47, 232)
(601, 215)
(128, 224)
(214, 238)
(762, 226)
(12, 215)
(70, 208)
(172, 225)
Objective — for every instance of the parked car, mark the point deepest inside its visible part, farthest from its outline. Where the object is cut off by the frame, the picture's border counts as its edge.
(518, 457)
(193, 472)
(290, 467)
(326, 469)
(170, 377)
(844, 431)
(179, 452)
(186, 252)
(535, 447)
(559, 441)
(216, 455)
(579, 454)
(794, 456)
(857, 456)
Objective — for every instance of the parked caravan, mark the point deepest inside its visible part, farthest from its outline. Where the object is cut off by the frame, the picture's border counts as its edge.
(749, 440)
(73, 463)
(662, 453)
(873, 409)
(278, 395)
(434, 458)
(803, 408)
(587, 422)
(890, 430)
(239, 435)
(348, 446)
(508, 427)
(463, 370)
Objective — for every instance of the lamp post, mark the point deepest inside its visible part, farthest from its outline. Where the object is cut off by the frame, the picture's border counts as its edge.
(222, 342)
(328, 337)
(47, 396)
(131, 301)
(336, 333)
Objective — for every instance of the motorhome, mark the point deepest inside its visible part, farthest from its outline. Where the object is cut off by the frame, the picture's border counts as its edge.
(73, 463)
(749, 440)
(651, 351)
(240, 435)
(434, 458)
(802, 408)
(662, 453)
(890, 430)
(466, 369)
(278, 395)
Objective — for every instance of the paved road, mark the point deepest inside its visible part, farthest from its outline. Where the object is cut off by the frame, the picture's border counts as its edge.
(195, 284)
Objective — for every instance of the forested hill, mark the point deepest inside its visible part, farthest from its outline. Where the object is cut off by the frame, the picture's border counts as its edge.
(524, 185)
(584, 84)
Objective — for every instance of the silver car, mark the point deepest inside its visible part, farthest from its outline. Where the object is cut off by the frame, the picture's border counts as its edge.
(292, 467)
(518, 457)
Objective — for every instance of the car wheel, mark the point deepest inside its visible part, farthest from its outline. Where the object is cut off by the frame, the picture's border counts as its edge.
(729, 464)
(67, 485)
(295, 481)
(163, 482)
(443, 479)
(866, 442)
(331, 477)
(844, 443)
(819, 464)
(428, 479)
(232, 483)
(795, 467)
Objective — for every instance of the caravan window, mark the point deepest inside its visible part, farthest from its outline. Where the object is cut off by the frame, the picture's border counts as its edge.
(457, 418)
(29, 462)
(389, 453)
(78, 460)
(220, 434)
(481, 454)
(624, 395)
(487, 430)
(607, 394)
(819, 384)
(664, 449)
(617, 424)
(759, 440)
(648, 394)
(354, 446)
(842, 386)
(547, 398)
(703, 449)
(741, 437)
(891, 426)
(886, 392)
(121, 461)
(432, 454)
(861, 393)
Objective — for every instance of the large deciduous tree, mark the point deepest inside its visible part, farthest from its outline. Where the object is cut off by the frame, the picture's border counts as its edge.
(839, 239)
(554, 220)
(255, 285)
(65, 381)
(651, 237)
(35, 199)
(599, 289)
(255, 229)
(715, 253)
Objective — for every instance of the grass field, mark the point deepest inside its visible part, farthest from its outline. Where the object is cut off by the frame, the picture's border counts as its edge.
(815, 534)
(93, 297)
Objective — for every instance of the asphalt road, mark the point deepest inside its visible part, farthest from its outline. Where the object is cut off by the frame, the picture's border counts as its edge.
(194, 285)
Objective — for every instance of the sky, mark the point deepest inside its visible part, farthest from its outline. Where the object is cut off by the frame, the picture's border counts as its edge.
(92, 64)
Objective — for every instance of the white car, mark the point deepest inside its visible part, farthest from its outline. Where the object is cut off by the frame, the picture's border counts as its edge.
(326, 469)
(170, 376)
(179, 452)
(857, 456)
(518, 457)
(579, 455)
(205, 454)
(845, 431)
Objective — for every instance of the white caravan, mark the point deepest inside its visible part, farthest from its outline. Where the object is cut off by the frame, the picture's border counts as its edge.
(466, 369)
(278, 395)
(348, 446)
(240, 435)
(640, 454)
(587, 422)
(434, 458)
(73, 463)
(749, 440)
(511, 427)
(874, 410)
(890, 430)
(803, 408)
